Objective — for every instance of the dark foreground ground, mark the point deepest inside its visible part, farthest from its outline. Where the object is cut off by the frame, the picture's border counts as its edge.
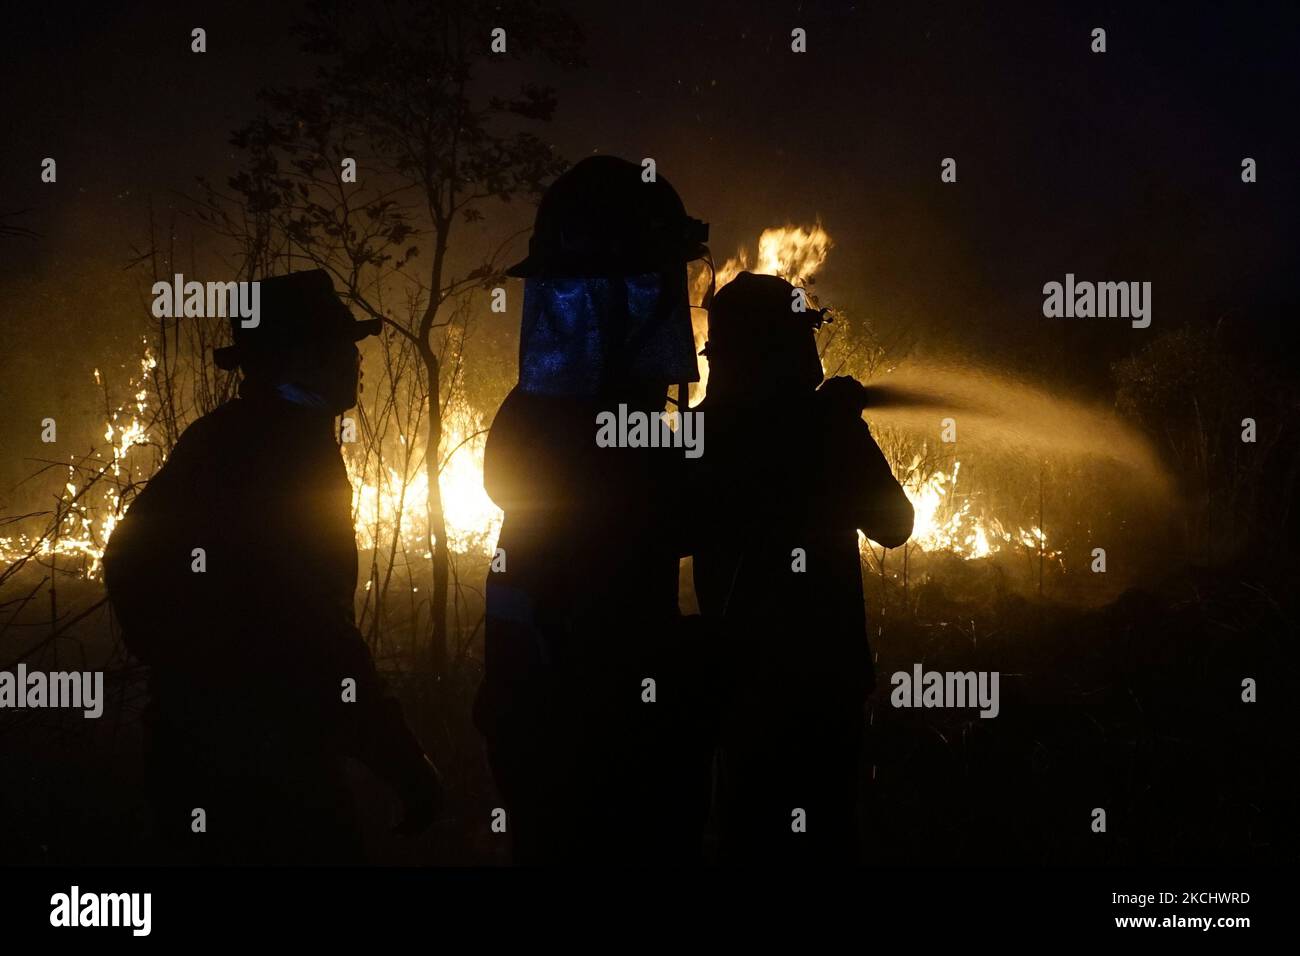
(1134, 707)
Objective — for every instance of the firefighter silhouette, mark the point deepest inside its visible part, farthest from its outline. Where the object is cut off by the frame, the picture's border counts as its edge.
(592, 703)
(233, 575)
(790, 477)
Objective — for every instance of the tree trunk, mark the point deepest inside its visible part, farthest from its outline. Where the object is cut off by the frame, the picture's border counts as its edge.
(437, 519)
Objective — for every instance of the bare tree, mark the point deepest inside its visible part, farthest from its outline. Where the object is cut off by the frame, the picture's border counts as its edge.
(401, 97)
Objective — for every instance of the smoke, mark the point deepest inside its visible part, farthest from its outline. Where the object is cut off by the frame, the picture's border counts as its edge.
(996, 413)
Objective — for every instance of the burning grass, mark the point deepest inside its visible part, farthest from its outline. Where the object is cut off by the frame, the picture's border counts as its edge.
(956, 512)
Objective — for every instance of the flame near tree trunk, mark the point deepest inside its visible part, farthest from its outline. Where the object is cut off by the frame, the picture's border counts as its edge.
(391, 508)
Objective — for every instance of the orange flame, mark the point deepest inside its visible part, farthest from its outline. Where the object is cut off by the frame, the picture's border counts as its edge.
(795, 253)
(393, 503)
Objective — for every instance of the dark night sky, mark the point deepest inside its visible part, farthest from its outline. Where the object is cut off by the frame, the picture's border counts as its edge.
(1121, 166)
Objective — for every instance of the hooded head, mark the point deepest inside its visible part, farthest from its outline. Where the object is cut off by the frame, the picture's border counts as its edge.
(605, 299)
(758, 337)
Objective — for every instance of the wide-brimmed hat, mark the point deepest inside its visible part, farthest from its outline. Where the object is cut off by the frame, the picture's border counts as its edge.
(295, 311)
